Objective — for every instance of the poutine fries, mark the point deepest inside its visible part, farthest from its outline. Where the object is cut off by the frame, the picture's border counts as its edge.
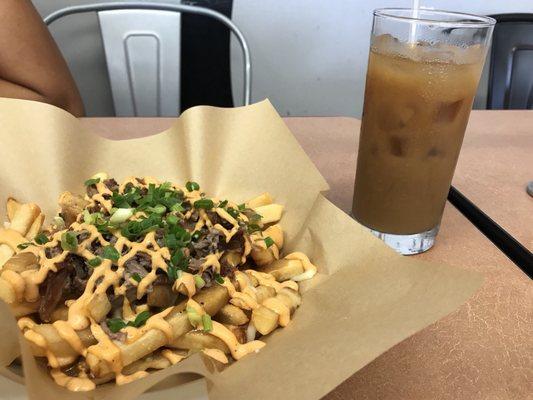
(136, 277)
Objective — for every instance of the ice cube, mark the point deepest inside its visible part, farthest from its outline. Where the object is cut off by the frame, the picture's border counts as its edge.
(385, 43)
(396, 117)
(447, 111)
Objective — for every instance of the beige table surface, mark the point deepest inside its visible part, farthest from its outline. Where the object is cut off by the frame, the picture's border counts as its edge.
(495, 165)
(484, 350)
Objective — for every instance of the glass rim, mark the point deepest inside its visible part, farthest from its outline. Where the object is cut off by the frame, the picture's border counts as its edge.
(469, 20)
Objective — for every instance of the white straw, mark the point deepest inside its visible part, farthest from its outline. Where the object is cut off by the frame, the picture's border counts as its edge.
(412, 30)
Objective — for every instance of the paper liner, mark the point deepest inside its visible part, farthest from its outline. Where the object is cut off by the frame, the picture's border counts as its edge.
(365, 299)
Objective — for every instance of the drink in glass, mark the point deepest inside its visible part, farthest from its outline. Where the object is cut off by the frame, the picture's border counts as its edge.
(422, 77)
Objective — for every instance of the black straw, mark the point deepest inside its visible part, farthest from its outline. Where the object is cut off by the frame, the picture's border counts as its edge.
(518, 254)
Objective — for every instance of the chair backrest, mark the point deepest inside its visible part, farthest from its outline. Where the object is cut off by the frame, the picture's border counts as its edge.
(142, 49)
(143, 64)
(511, 64)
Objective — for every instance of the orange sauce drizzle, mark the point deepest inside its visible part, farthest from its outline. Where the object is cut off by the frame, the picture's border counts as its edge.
(243, 292)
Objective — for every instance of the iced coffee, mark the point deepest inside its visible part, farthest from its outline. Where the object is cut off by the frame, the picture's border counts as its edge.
(417, 102)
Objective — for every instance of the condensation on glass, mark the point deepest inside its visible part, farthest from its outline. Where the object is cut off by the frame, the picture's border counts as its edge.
(423, 71)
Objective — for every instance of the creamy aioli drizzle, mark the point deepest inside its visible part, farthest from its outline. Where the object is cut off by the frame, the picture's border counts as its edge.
(26, 287)
(17, 283)
(11, 238)
(70, 336)
(156, 321)
(185, 285)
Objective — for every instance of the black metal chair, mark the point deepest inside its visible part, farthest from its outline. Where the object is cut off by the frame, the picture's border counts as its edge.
(511, 63)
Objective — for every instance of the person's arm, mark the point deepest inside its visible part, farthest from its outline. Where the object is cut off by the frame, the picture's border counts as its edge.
(31, 65)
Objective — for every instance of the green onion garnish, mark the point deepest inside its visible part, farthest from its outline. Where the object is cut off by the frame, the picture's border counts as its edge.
(121, 215)
(59, 222)
(24, 246)
(140, 319)
(136, 277)
(96, 218)
(253, 228)
(194, 317)
(254, 217)
(207, 323)
(41, 238)
(192, 186)
(233, 212)
(196, 236)
(111, 253)
(115, 324)
(136, 229)
(177, 207)
(92, 181)
(69, 241)
(219, 279)
(199, 281)
(95, 262)
(206, 204)
(172, 220)
(158, 209)
(268, 241)
(87, 217)
(172, 272)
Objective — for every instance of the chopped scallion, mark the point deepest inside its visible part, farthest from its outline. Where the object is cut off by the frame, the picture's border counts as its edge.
(172, 220)
(69, 241)
(194, 317)
(115, 324)
(207, 323)
(121, 215)
(59, 222)
(191, 186)
(111, 253)
(92, 181)
(219, 279)
(199, 281)
(268, 241)
(95, 262)
(206, 204)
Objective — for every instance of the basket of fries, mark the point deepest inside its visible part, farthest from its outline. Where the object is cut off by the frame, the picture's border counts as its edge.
(207, 249)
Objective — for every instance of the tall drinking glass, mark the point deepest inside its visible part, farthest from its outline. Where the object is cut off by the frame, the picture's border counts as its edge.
(423, 70)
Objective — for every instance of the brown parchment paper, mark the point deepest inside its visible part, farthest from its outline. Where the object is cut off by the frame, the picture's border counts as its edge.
(365, 299)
